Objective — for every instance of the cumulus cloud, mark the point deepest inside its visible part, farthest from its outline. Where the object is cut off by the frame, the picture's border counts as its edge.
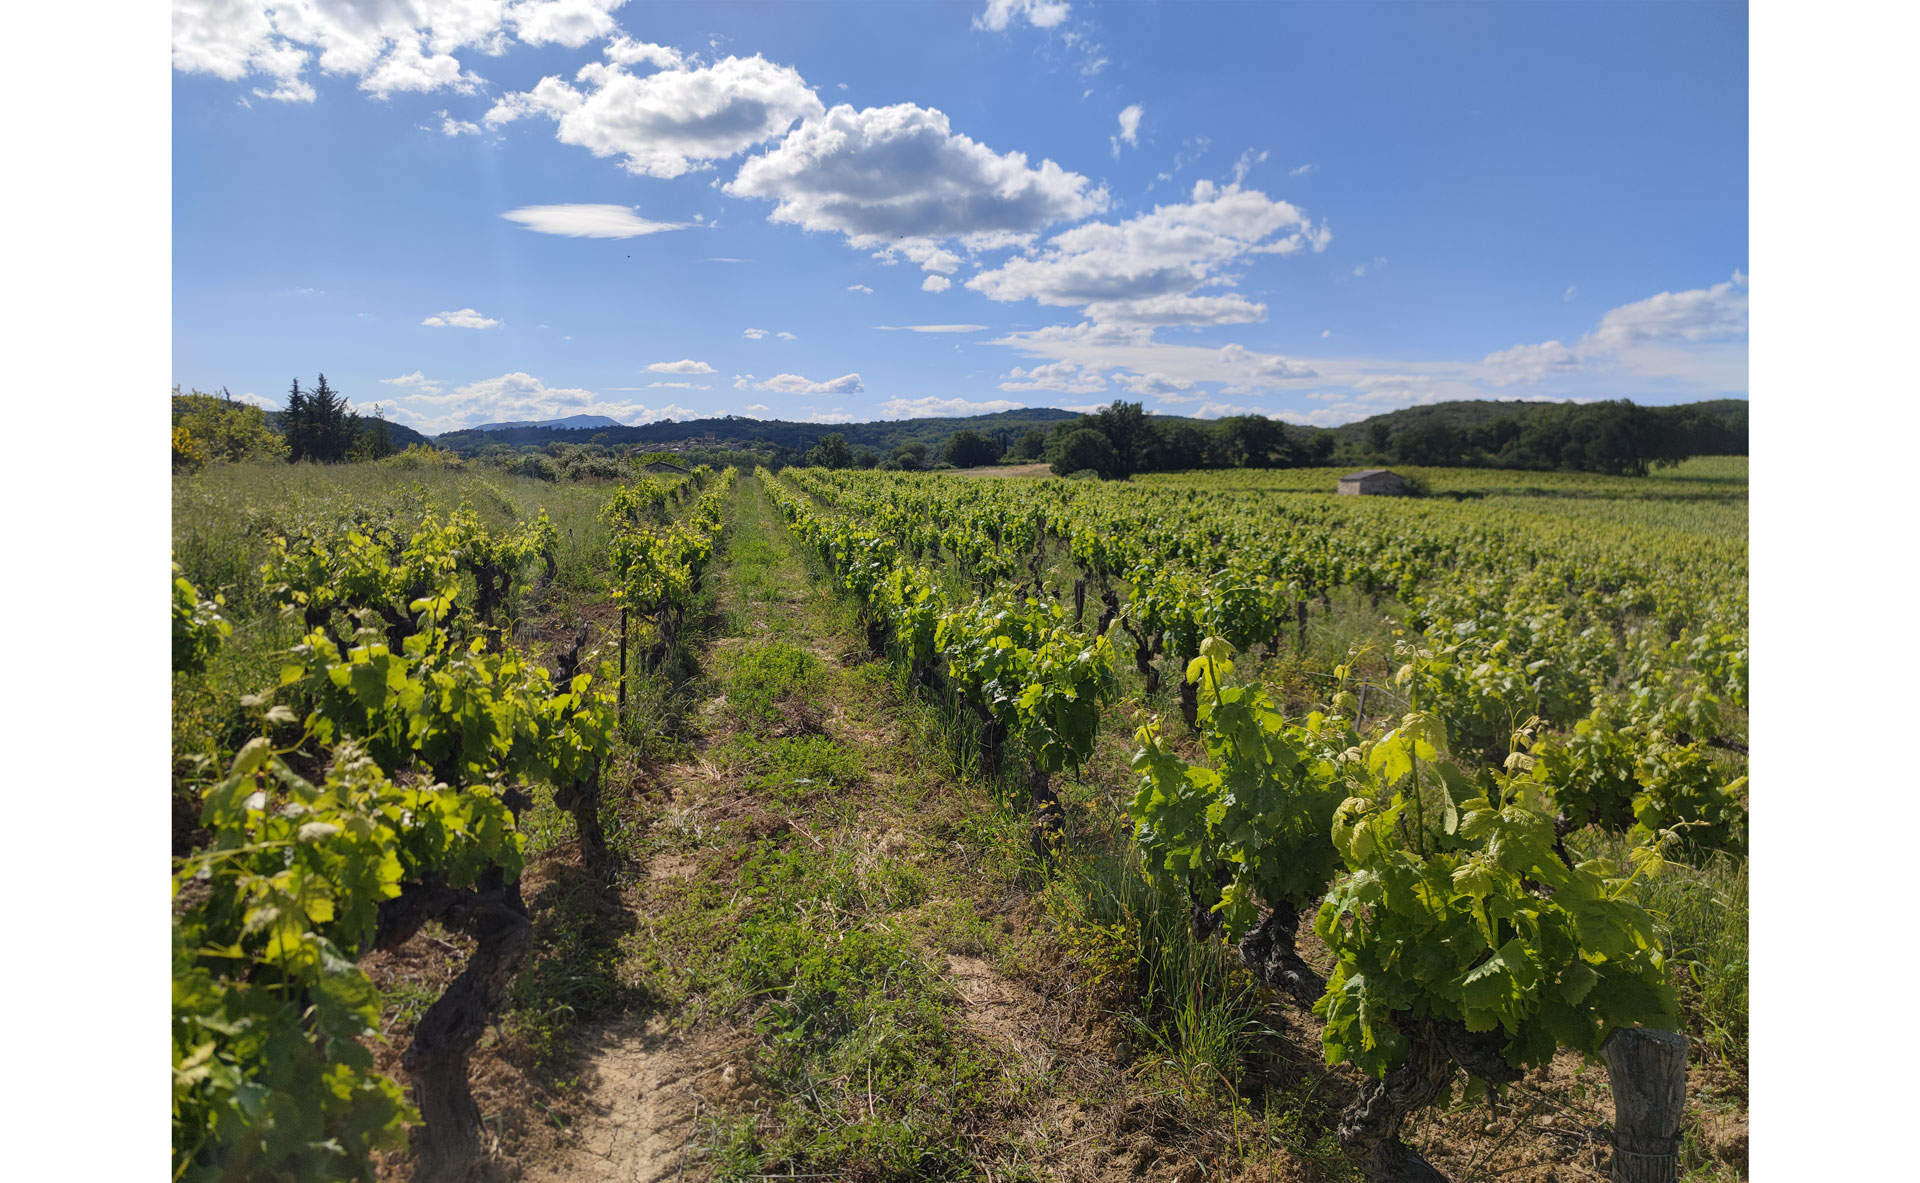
(389, 46)
(787, 336)
(756, 408)
(1147, 271)
(1699, 315)
(671, 122)
(449, 126)
(860, 287)
(833, 416)
(799, 384)
(1154, 366)
(753, 334)
(1156, 385)
(932, 407)
(683, 366)
(1643, 336)
(1042, 14)
(1529, 363)
(932, 328)
(628, 52)
(935, 283)
(1129, 129)
(571, 23)
(588, 221)
(900, 177)
(1062, 376)
(510, 397)
(466, 318)
(679, 385)
(417, 380)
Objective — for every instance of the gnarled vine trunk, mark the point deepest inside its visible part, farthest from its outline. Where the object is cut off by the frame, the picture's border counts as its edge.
(447, 1146)
(1049, 816)
(1369, 1129)
(1269, 953)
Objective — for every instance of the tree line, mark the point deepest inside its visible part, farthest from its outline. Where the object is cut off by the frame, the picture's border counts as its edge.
(1615, 437)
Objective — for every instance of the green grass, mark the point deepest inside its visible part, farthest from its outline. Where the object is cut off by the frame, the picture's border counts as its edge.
(790, 769)
(757, 679)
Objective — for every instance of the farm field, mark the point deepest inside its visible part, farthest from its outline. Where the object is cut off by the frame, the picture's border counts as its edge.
(933, 827)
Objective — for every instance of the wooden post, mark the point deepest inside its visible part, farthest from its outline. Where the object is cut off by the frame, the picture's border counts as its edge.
(623, 662)
(1649, 1073)
(1300, 623)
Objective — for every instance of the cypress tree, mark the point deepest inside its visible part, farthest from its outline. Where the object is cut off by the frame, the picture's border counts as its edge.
(295, 425)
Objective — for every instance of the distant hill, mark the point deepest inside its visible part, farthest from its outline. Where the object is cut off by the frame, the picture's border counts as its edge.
(882, 435)
(570, 423)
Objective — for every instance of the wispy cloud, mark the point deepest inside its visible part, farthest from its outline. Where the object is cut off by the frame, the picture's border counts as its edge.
(933, 407)
(465, 318)
(588, 221)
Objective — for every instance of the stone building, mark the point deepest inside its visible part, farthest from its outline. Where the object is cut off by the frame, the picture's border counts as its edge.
(1373, 481)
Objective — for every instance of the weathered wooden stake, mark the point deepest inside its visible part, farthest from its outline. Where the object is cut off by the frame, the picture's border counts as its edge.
(1300, 623)
(623, 662)
(1649, 1073)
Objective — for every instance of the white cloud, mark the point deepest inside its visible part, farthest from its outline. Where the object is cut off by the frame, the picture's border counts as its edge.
(671, 122)
(1147, 270)
(756, 408)
(1156, 385)
(1042, 14)
(417, 380)
(678, 385)
(254, 400)
(1360, 272)
(1529, 363)
(932, 407)
(588, 221)
(753, 334)
(628, 52)
(1065, 377)
(466, 318)
(932, 328)
(1569, 293)
(786, 336)
(930, 255)
(798, 384)
(900, 177)
(1095, 347)
(450, 126)
(1698, 315)
(571, 23)
(407, 66)
(1673, 331)
(1244, 165)
(1129, 129)
(507, 398)
(935, 283)
(1325, 333)
(1303, 170)
(835, 416)
(860, 287)
(389, 45)
(683, 366)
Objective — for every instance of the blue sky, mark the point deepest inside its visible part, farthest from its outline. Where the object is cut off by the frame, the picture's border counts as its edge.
(479, 210)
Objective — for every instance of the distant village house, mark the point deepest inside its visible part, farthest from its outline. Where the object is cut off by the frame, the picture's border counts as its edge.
(1374, 482)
